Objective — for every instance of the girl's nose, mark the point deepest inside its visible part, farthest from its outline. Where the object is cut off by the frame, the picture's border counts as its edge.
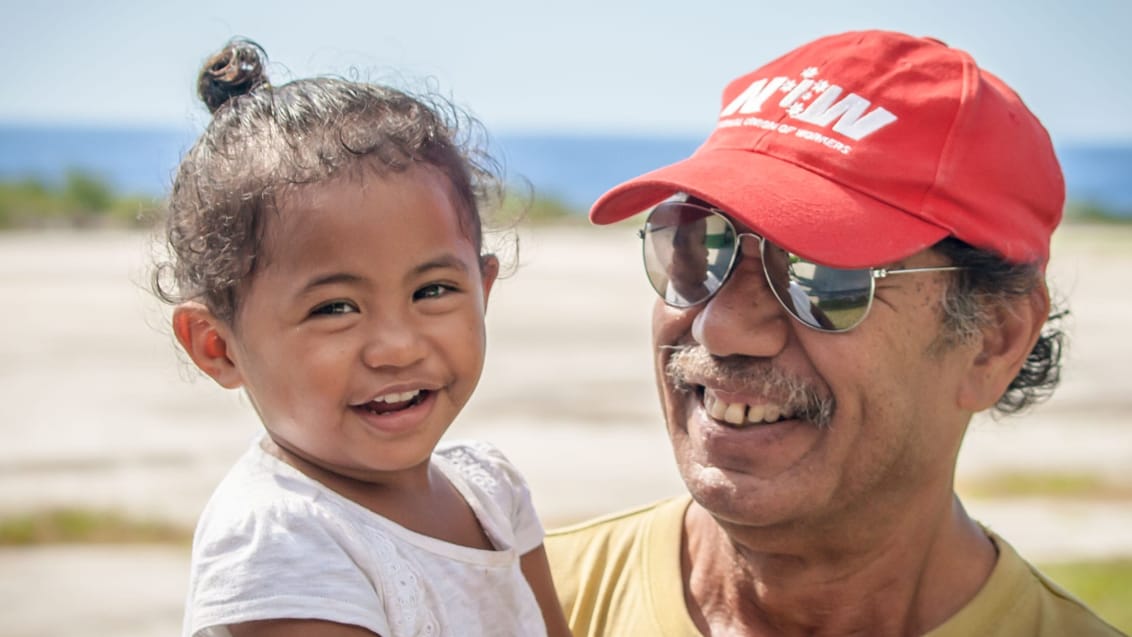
(393, 342)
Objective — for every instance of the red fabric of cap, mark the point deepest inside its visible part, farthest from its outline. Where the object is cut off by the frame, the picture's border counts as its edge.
(863, 148)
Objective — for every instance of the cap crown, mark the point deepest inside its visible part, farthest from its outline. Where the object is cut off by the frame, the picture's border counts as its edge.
(906, 122)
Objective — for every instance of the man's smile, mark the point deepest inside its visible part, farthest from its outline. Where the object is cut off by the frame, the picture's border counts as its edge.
(742, 391)
(741, 414)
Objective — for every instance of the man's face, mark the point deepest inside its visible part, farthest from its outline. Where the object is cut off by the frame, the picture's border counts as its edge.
(774, 423)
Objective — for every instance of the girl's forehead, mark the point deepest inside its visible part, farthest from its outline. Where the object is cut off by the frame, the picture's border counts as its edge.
(391, 207)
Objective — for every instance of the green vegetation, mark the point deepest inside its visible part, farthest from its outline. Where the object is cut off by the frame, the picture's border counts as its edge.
(81, 201)
(68, 526)
(84, 200)
(1045, 485)
(526, 208)
(1090, 212)
(1102, 586)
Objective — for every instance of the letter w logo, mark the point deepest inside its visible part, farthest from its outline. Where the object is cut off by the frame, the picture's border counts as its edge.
(849, 113)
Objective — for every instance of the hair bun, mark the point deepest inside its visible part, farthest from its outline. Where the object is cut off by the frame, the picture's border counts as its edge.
(236, 70)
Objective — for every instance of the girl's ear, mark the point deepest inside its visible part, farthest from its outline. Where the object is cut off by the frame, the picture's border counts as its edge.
(489, 271)
(203, 337)
(1005, 343)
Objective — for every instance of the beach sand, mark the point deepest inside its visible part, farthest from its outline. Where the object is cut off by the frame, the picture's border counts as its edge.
(99, 412)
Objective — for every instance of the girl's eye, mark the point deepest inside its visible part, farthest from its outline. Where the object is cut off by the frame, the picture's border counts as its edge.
(433, 291)
(334, 307)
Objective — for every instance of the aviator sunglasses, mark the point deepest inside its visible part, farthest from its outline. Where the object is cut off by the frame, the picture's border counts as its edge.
(690, 250)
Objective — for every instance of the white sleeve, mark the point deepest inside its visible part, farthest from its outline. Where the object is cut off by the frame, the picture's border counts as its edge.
(487, 467)
(524, 520)
(278, 562)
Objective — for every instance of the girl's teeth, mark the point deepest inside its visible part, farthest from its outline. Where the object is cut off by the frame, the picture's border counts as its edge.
(397, 398)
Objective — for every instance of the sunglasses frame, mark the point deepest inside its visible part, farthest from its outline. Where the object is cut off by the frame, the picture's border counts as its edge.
(875, 273)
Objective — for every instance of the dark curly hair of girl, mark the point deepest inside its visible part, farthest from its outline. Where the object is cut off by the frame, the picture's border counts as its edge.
(265, 140)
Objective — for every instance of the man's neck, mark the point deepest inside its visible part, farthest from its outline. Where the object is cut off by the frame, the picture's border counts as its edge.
(901, 578)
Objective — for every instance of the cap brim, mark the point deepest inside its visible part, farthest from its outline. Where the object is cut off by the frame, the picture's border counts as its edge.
(802, 211)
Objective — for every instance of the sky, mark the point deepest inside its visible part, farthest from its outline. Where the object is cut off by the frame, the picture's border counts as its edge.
(584, 66)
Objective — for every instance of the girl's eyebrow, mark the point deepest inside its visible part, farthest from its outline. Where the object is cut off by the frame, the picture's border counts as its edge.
(332, 278)
(442, 262)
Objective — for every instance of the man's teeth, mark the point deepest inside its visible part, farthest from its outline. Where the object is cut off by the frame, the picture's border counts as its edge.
(397, 398)
(743, 414)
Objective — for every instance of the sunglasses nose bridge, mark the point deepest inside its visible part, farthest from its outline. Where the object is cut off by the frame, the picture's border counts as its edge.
(758, 268)
(753, 248)
(757, 244)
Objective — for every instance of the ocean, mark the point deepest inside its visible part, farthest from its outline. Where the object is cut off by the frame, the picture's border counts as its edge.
(576, 169)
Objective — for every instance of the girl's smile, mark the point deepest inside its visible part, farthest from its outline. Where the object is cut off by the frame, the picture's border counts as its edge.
(398, 412)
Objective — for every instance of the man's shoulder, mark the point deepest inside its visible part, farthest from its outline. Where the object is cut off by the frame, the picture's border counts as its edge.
(1063, 614)
(616, 533)
(1018, 599)
(619, 574)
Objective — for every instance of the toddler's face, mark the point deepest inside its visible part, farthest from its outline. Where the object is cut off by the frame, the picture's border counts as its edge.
(361, 336)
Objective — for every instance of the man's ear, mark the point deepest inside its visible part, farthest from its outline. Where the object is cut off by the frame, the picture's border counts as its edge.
(1005, 343)
(205, 339)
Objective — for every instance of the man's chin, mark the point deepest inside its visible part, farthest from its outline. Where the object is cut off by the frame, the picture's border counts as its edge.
(731, 504)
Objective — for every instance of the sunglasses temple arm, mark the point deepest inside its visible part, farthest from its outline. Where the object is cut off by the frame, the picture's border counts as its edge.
(880, 273)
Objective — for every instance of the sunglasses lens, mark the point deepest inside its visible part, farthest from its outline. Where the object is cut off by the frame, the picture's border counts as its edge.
(829, 299)
(687, 252)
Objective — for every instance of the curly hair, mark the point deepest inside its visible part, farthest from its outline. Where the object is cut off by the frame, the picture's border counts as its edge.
(986, 281)
(263, 140)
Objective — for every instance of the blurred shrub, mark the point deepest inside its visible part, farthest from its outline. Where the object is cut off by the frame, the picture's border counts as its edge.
(86, 200)
(82, 200)
(64, 526)
(86, 194)
(523, 206)
(1092, 212)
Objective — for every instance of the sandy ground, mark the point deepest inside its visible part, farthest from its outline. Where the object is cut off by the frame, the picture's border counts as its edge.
(97, 411)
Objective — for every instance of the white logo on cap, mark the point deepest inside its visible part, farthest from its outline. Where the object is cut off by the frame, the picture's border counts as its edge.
(813, 101)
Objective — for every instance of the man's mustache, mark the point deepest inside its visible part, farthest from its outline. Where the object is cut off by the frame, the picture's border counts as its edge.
(690, 366)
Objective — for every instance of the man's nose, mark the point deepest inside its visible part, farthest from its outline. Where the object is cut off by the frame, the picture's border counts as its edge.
(743, 317)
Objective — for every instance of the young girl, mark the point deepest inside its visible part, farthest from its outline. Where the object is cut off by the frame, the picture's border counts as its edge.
(326, 256)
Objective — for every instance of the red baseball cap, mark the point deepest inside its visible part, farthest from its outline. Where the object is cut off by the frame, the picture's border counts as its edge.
(863, 148)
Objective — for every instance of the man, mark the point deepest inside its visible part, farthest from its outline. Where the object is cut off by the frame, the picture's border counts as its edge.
(878, 213)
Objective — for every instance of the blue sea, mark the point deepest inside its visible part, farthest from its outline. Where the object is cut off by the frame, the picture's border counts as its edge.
(574, 168)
